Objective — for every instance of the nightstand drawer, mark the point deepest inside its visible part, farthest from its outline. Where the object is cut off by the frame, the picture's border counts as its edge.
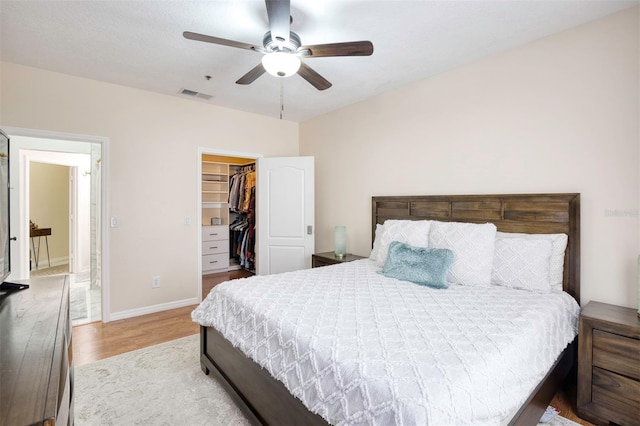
(611, 352)
(318, 262)
(620, 395)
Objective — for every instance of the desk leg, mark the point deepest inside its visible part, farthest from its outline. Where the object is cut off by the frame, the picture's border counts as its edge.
(33, 250)
(36, 253)
(46, 240)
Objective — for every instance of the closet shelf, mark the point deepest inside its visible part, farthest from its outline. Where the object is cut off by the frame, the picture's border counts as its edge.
(214, 178)
(214, 205)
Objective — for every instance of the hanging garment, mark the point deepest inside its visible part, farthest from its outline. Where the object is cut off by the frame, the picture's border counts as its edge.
(249, 185)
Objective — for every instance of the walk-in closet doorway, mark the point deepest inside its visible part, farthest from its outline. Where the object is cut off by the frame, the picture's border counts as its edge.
(278, 207)
(223, 221)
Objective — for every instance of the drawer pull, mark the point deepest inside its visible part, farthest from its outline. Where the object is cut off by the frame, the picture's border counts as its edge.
(214, 261)
(212, 235)
(213, 247)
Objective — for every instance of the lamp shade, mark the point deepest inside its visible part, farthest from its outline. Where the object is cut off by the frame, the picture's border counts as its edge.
(340, 242)
(281, 64)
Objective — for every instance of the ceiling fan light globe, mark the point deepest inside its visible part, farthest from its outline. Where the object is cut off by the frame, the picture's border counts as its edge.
(281, 64)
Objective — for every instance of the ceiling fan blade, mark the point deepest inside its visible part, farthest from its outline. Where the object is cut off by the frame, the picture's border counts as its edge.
(279, 12)
(222, 41)
(316, 80)
(251, 76)
(349, 48)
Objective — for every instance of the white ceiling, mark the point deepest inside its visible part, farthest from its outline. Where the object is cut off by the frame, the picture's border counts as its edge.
(140, 43)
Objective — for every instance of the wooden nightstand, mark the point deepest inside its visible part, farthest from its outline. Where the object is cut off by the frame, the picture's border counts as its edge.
(328, 258)
(609, 364)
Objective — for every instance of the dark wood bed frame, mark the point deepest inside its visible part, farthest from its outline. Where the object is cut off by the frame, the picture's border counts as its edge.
(266, 401)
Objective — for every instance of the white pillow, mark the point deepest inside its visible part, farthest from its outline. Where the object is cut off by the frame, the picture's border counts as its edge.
(556, 262)
(473, 246)
(412, 232)
(523, 263)
(376, 242)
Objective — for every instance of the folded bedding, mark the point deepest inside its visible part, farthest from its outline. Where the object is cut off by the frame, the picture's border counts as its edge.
(358, 347)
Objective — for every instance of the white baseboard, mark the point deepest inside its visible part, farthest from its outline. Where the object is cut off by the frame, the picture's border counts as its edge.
(130, 313)
(44, 264)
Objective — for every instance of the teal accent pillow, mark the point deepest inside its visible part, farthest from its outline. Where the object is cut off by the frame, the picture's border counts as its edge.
(419, 265)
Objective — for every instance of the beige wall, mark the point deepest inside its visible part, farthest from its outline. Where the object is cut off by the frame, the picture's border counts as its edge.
(49, 208)
(153, 143)
(556, 115)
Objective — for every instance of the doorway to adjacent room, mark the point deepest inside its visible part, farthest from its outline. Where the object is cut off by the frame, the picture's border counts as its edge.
(78, 164)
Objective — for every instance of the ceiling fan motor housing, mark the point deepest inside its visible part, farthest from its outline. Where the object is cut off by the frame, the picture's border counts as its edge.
(274, 45)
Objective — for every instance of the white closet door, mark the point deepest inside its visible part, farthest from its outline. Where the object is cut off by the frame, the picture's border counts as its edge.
(284, 214)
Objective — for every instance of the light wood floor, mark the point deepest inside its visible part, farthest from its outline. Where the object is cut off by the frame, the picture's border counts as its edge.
(95, 341)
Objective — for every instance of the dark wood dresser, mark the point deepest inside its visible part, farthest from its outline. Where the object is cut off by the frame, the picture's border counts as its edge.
(329, 258)
(36, 367)
(609, 364)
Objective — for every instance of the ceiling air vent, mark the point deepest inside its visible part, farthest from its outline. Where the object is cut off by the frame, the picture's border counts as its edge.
(195, 94)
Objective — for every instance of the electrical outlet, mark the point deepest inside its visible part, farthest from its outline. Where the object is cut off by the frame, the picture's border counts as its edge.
(155, 282)
(187, 220)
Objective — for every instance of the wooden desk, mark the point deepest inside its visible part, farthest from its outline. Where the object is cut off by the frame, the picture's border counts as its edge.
(37, 233)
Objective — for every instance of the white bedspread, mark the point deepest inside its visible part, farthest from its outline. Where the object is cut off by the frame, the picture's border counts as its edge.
(360, 348)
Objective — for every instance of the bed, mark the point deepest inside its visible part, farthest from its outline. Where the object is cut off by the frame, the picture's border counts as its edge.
(266, 400)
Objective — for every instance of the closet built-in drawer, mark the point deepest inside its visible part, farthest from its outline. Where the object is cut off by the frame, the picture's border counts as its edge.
(213, 233)
(212, 262)
(215, 247)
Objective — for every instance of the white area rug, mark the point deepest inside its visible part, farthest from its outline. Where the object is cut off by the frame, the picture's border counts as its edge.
(560, 421)
(160, 385)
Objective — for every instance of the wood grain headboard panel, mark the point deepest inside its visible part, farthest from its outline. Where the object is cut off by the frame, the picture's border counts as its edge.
(528, 213)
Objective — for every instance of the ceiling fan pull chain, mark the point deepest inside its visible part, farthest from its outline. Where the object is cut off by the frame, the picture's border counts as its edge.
(281, 97)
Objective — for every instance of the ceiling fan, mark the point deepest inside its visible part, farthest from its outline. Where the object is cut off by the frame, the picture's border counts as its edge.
(283, 49)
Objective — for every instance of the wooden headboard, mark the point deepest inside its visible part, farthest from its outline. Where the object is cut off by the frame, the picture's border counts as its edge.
(528, 213)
